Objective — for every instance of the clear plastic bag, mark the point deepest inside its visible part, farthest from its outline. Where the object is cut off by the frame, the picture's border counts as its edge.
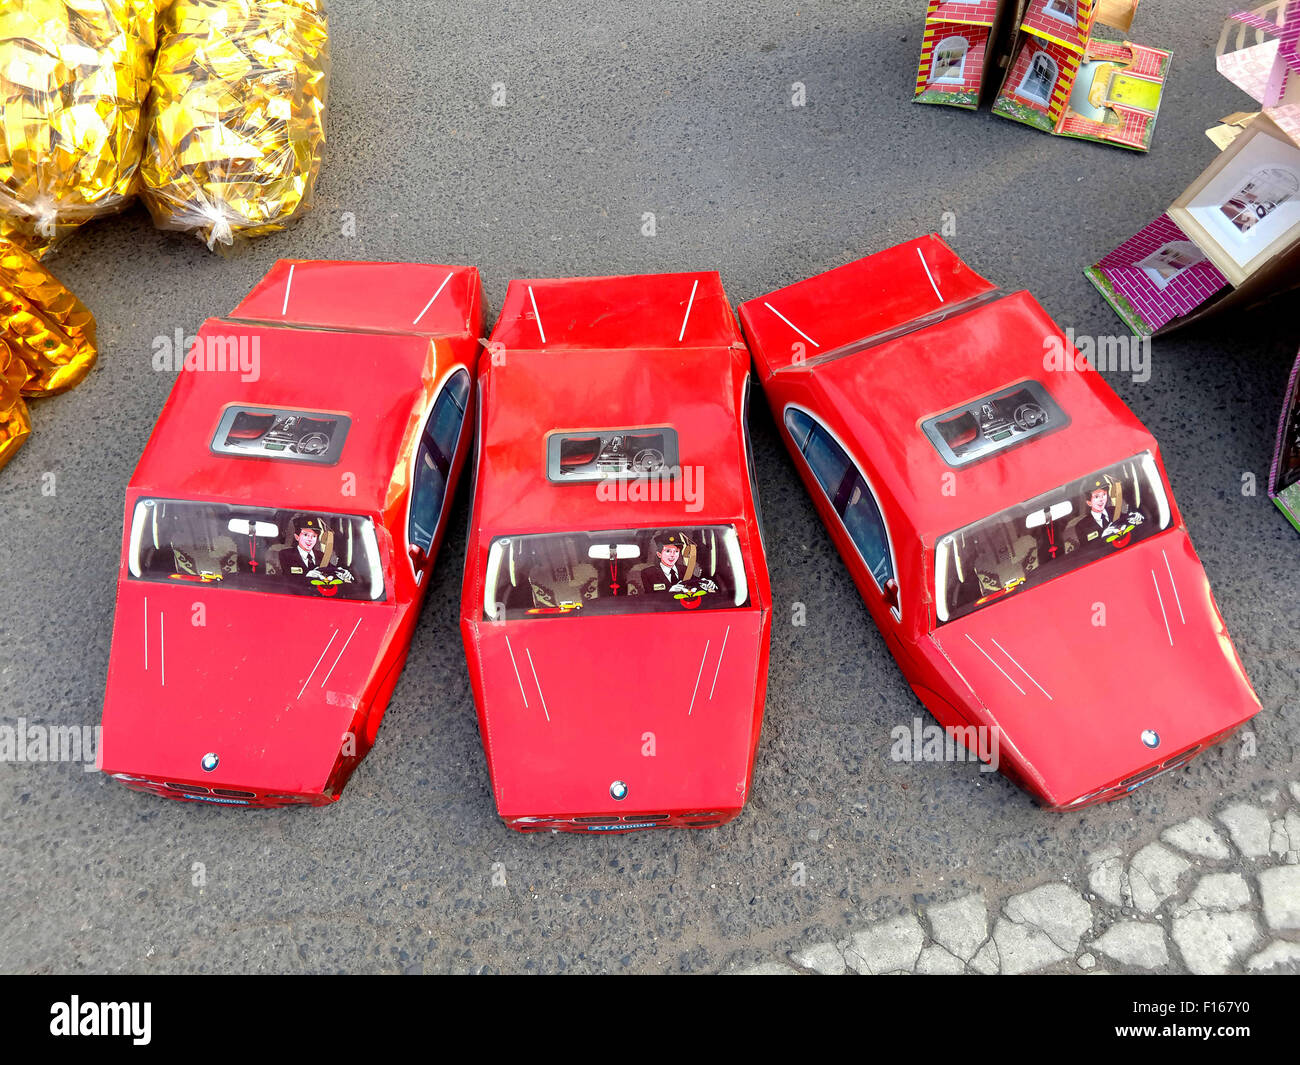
(74, 75)
(236, 118)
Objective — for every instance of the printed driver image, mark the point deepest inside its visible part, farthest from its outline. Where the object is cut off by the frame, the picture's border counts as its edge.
(312, 558)
(676, 571)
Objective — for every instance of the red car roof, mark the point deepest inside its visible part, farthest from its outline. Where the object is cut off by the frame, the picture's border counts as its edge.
(918, 364)
(686, 370)
(304, 361)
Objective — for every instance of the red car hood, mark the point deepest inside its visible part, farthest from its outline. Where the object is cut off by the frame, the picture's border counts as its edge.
(1075, 697)
(269, 683)
(669, 704)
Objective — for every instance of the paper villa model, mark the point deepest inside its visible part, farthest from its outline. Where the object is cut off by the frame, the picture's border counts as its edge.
(957, 50)
(1059, 78)
(1233, 237)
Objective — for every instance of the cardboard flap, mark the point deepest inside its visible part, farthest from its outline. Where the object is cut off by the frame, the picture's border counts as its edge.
(688, 310)
(1117, 13)
(417, 298)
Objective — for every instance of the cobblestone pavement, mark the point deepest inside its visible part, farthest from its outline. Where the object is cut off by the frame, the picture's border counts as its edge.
(1205, 897)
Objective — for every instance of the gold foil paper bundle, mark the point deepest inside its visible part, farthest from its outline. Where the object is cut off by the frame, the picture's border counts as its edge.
(15, 423)
(74, 75)
(44, 329)
(236, 119)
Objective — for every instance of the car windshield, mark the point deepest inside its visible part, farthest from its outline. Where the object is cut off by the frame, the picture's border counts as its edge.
(285, 551)
(1084, 520)
(638, 571)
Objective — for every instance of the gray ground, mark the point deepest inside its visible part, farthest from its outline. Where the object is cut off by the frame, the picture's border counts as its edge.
(682, 109)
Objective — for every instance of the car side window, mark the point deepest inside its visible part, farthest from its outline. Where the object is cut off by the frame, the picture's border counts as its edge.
(433, 460)
(847, 490)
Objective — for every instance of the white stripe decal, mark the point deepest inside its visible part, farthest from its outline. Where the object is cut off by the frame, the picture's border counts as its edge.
(995, 665)
(538, 683)
(537, 316)
(1021, 668)
(518, 679)
(146, 634)
(1161, 600)
(720, 654)
(341, 650)
(930, 275)
(690, 303)
(433, 297)
(162, 652)
(288, 287)
(1177, 600)
(791, 324)
(317, 665)
(698, 675)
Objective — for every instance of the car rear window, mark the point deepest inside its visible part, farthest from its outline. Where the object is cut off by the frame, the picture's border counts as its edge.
(626, 571)
(1085, 520)
(284, 551)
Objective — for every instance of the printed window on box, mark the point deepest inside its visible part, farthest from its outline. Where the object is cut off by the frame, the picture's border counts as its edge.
(259, 549)
(1039, 79)
(622, 571)
(1262, 193)
(1063, 10)
(279, 433)
(848, 492)
(1085, 520)
(1169, 260)
(949, 63)
(577, 456)
(433, 460)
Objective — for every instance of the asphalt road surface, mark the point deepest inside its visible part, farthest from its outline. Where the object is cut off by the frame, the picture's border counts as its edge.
(683, 110)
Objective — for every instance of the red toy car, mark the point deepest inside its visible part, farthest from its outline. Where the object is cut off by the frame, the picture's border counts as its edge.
(1011, 530)
(280, 528)
(616, 607)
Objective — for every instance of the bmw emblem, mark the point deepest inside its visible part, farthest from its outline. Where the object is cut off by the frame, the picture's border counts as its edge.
(1150, 738)
(210, 761)
(618, 790)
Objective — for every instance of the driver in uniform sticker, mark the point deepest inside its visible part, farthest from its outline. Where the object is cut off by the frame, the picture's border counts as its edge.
(311, 559)
(674, 572)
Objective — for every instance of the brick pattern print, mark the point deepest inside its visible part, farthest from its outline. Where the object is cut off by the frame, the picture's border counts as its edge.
(1182, 294)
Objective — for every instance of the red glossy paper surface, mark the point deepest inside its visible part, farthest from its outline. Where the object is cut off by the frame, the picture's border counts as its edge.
(1135, 664)
(568, 705)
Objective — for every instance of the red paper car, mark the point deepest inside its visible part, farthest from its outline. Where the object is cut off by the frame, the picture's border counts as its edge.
(1010, 528)
(280, 529)
(616, 607)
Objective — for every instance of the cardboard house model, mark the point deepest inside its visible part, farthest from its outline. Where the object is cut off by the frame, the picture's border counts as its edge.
(1233, 237)
(958, 49)
(1057, 77)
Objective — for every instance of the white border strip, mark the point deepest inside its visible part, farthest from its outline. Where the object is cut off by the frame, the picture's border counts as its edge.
(719, 669)
(341, 650)
(1021, 668)
(995, 665)
(1161, 600)
(416, 320)
(921, 256)
(538, 683)
(791, 324)
(538, 317)
(317, 665)
(288, 287)
(698, 675)
(689, 304)
(518, 679)
(1177, 600)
